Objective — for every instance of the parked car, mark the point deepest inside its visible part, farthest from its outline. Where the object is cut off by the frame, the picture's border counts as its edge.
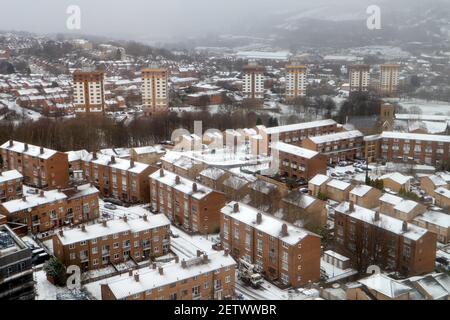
(110, 206)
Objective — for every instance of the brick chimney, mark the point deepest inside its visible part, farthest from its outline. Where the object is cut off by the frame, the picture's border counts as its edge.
(136, 277)
(125, 218)
(130, 273)
(94, 155)
(24, 199)
(226, 252)
(236, 207)
(154, 265)
(258, 218)
(41, 150)
(131, 163)
(405, 226)
(284, 230)
(199, 253)
(25, 147)
(205, 258)
(352, 206)
(161, 270)
(177, 180)
(183, 264)
(113, 159)
(194, 187)
(83, 228)
(61, 233)
(104, 223)
(377, 216)
(145, 217)
(41, 193)
(161, 172)
(11, 143)
(177, 259)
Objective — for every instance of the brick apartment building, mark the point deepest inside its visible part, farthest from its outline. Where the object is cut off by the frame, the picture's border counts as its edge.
(126, 180)
(10, 185)
(389, 79)
(115, 241)
(295, 133)
(40, 167)
(16, 267)
(345, 145)
(432, 182)
(359, 77)
(281, 251)
(412, 148)
(205, 277)
(253, 76)
(155, 91)
(88, 92)
(370, 237)
(297, 162)
(195, 207)
(295, 81)
(45, 210)
(299, 206)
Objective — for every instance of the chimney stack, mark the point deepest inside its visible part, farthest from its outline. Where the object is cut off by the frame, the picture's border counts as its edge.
(154, 266)
(199, 253)
(352, 206)
(161, 270)
(61, 233)
(1, 172)
(284, 230)
(104, 223)
(113, 159)
(183, 264)
(41, 150)
(377, 216)
(41, 193)
(205, 258)
(236, 207)
(177, 180)
(144, 217)
(131, 163)
(24, 199)
(405, 226)
(194, 187)
(177, 259)
(94, 155)
(136, 277)
(226, 252)
(130, 272)
(83, 228)
(161, 172)
(11, 143)
(59, 189)
(258, 218)
(26, 147)
(125, 218)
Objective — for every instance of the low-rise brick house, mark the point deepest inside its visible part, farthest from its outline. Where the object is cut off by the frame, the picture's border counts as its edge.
(299, 206)
(205, 277)
(125, 180)
(213, 178)
(46, 210)
(338, 190)
(97, 245)
(436, 222)
(365, 196)
(281, 252)
(432, 182)
(264, 195)
(379, 287)
(297, 162)
(149, 154)
(370, 237)
(194, 207)
(10, 185)
(399, 208)
(340, 146)
(40, 167)
(235, 188)
(396, 181)
(442, 197)
(182, 165)
(318, 184)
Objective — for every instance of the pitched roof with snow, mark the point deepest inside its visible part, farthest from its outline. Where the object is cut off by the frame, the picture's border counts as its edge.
(336, 136)
(436, 218)
(396, 177)
(444, 192)
(361, 190)
(414, 136)
(294, 150)
(385, 222)
(301, 126)
(10, 175)
(385, 285)
(338, 184)
(269, 224)
(118, 163)
(319, 179)
(32, 151)
(299, 199)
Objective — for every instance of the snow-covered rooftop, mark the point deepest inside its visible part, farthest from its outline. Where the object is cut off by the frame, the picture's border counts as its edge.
(436, 218)
(124, 285)
(444, 192)
(301, 126)
(184, 185)
(336, 136)
(98, 230)
(337, 184)
(294, 150)
(10, 175)
(299, 199)
(269, 224)
(384, 222)
(319, 179)
(361, 190)
(118, 163)
(390, 198)
(33, 151)
(396, 177)
(212, 173)
(385, 285)
(414, 136)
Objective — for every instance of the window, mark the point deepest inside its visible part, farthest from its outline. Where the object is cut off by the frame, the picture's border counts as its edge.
(227, 279)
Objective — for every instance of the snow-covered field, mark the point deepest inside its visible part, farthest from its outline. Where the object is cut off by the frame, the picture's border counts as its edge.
(427, 107)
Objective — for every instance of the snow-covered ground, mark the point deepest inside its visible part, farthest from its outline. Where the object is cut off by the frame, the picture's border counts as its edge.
(427, 107)
(30, 114)
(47, 291)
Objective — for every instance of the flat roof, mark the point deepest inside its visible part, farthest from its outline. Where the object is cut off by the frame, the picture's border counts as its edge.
(336, 136)
(33, 151)
(294, 150)
(414, 136)
(301, 126)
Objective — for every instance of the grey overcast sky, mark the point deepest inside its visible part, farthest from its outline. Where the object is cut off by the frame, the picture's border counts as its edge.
(156, 18)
